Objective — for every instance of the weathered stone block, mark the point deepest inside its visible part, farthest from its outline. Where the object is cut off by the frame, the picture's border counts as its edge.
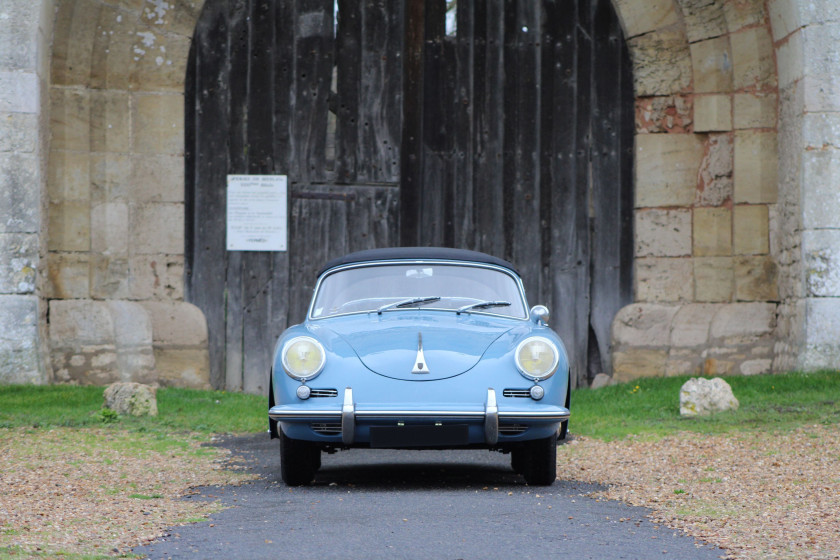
(756, 167)
(157, 277)
(69, 176)
(19, 92)
(756, 279)
(20, 132)
(109, 228)
(643, 324)
(663, 233)
(96, 342)
(109, 121)
(753, 58)
(159, 61)
(712, 65)
(661, 62)
(751, 230)
(133, 399)
(17, 26)
(110, 177)
(666, 169)
(158, 229)
(670, 113)
(76, 25)
(821, 253)
(784, 18)
(703, 19)
(18, 262)
(743, 323)
(663, 279)
(821, 198)
(789, 58)
(183, 367)
(638, 362)
(690, 326)
(701, 397)
(755, 110)
(158, 124)
(714, 279)
(743, 14)
(822, 334)
(712, 113)
(756, 367)
(712, 232)
(19, 193)
(70, 119)
(715, 185)
(157, 178)
(20, 341)
(638, 18)
(109, 277)
(68, 276)
(177, 323)
(820, 49)
(69, 226)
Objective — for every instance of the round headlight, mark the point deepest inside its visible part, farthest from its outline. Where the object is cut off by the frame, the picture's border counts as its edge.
(537, 358)
(303, 357)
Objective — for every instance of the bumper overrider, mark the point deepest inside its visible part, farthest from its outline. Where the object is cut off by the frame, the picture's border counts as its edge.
(350, 414)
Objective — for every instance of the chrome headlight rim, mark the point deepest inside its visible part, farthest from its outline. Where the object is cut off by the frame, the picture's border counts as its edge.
(288, 369)
(551, 371)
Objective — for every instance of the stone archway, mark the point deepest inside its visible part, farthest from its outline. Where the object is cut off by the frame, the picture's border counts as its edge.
(112, 108)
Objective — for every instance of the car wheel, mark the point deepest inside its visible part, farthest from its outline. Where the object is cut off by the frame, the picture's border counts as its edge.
(540, 467)
(299, 460)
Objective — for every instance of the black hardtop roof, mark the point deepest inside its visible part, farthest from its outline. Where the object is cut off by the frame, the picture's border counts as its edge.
(414, 254)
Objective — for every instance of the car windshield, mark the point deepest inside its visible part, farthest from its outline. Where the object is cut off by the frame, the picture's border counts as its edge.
(383, 288)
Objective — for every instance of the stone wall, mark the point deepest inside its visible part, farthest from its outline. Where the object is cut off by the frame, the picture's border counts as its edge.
(25, 31)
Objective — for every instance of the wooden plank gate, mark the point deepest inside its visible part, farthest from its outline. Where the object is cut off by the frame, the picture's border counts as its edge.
(507, 128)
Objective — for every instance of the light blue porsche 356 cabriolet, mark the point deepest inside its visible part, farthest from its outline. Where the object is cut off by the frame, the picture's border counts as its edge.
(422, 348)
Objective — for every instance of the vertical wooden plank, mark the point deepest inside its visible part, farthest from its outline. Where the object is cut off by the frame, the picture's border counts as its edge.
(411, 149)
(489, 117)
(238, 51)
(525, 250)
(282, 146)
(627, 133)
(380, 104)
(348, 84)
(570, 311)
(205, 285)
(607, 225)
(548, 61)
(257, 343)
(510, 118)
(314, 55)
(463, 209)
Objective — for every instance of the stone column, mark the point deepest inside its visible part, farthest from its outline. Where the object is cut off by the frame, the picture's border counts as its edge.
(25, 38)
(807, 38)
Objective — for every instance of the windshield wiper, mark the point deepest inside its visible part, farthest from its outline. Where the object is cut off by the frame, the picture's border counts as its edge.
(483, 305)
(408, 302)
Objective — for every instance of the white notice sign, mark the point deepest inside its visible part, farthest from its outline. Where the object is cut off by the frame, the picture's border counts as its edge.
(256, 213)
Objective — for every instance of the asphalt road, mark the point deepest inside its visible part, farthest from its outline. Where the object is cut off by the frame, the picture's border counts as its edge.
(415, 504)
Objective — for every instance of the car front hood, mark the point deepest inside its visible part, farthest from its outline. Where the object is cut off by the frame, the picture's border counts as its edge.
(389, 344)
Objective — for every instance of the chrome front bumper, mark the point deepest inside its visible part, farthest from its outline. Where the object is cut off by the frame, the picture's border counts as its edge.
(349, 414)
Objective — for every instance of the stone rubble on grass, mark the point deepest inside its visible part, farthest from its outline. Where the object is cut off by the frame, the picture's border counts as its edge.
(701, 397)
(133, 399)
(601, 380)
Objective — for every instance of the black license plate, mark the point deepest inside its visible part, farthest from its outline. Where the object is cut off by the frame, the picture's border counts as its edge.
(419, 436)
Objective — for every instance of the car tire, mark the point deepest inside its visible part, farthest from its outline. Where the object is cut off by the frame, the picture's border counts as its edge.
(299, 460)
(540, 467)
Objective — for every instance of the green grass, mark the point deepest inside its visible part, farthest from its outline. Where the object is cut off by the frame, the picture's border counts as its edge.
(650, 406)
(646, 407)
(178, 409)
